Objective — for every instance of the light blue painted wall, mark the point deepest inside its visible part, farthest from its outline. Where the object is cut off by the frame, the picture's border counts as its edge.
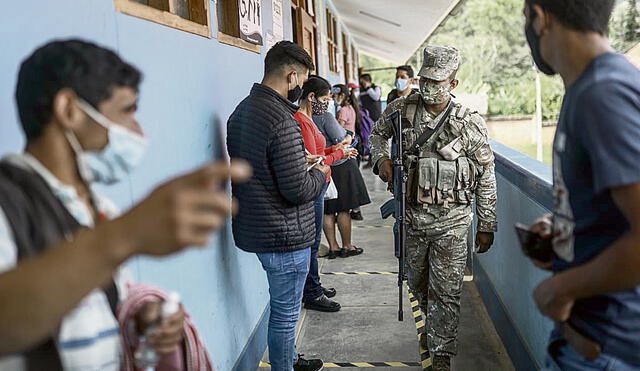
(192, 84)
(512, 275)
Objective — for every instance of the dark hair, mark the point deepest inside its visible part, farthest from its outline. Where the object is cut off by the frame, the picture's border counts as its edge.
(408, 69)
(89, 70)
(366, 77)
(285, 53)
(317, 85)
(352, 99)
(580, 15)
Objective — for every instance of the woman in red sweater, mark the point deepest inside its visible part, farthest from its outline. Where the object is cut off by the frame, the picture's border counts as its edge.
(315, 101)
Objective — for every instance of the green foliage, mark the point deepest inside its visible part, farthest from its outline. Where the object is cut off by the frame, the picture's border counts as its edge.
(384, 79)
(631, 27)
(624, 29)
(496, 57)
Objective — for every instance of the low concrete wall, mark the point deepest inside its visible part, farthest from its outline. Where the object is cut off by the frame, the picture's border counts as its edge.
(505, 277)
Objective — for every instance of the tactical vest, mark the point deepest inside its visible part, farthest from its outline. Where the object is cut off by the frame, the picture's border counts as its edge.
(38, 221)
(442, 176)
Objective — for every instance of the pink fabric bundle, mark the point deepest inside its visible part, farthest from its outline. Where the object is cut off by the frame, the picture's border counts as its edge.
(193, 350)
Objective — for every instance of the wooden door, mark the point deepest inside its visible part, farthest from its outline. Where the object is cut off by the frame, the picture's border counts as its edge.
(346, 59)
(304, 27)
(308, 29)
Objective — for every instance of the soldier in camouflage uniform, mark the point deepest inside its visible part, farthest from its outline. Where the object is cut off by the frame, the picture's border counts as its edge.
(455, 166)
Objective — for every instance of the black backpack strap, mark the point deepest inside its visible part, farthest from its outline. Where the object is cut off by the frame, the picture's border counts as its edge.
(39, 220)
(427, 134)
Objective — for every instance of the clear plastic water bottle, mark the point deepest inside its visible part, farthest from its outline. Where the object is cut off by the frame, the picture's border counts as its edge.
(145, 356)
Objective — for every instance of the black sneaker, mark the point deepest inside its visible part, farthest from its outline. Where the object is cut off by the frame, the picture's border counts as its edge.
(329, 292)
(322, 304)
(308, 364)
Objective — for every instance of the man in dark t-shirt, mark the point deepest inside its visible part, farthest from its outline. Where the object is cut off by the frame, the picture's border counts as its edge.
(594, 295)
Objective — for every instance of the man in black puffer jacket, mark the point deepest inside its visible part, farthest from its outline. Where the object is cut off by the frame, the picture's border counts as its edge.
(276, 216)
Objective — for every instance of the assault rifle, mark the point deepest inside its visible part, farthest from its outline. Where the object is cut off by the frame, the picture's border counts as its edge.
(398, 205)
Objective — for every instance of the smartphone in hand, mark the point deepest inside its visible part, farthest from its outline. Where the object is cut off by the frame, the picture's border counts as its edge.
(535, 246)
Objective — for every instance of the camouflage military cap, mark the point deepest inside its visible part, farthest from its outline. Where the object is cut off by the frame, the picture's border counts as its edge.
(439, 62)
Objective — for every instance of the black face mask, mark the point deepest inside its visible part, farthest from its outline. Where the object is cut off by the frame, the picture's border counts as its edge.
(294, 94)
(534, 45)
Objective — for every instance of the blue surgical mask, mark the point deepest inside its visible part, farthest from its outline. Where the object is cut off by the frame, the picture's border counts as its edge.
(402, 84)
(122, 154)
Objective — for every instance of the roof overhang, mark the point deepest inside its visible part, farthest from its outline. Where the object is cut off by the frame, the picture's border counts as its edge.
(392, 30)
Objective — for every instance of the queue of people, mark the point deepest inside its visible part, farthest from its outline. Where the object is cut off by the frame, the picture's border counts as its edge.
(81, 130)
(302, 150)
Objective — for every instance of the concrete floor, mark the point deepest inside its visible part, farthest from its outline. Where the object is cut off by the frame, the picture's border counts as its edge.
(367, 329)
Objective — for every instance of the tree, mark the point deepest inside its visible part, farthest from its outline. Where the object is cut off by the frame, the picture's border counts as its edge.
(496, 58)
(632, 28)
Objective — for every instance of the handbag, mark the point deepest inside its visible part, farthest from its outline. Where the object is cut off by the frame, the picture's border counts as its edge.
(332, 191)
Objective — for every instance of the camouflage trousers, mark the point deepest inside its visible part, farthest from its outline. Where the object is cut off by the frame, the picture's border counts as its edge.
(436, 273)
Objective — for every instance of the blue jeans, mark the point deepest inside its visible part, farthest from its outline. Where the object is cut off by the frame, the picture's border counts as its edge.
(286, 273)
(562, 357)
(312, 287)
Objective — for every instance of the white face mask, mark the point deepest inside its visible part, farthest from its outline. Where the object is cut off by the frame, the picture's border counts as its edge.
(122, 154)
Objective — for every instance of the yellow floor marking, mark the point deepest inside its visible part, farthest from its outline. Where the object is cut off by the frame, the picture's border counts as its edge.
(426, 363)
(396, 364)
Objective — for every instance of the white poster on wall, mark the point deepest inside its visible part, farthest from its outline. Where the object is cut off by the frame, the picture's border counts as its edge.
(278, 23)
(271, 41)
(250, 21)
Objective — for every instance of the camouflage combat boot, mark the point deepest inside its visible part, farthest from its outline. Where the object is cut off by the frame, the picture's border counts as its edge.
(441, 363)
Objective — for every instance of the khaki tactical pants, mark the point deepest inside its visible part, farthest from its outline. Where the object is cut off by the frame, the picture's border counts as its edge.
(436, 273)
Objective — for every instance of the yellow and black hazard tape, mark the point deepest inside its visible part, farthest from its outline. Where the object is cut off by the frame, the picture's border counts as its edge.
(358, 273)
(420, 328)
(360, 364)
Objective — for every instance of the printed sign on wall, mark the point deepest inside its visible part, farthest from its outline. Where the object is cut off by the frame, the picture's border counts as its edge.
(251, 21)
(278, 24)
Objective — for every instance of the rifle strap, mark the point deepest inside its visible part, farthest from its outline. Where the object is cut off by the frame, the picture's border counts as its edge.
(429, 132)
